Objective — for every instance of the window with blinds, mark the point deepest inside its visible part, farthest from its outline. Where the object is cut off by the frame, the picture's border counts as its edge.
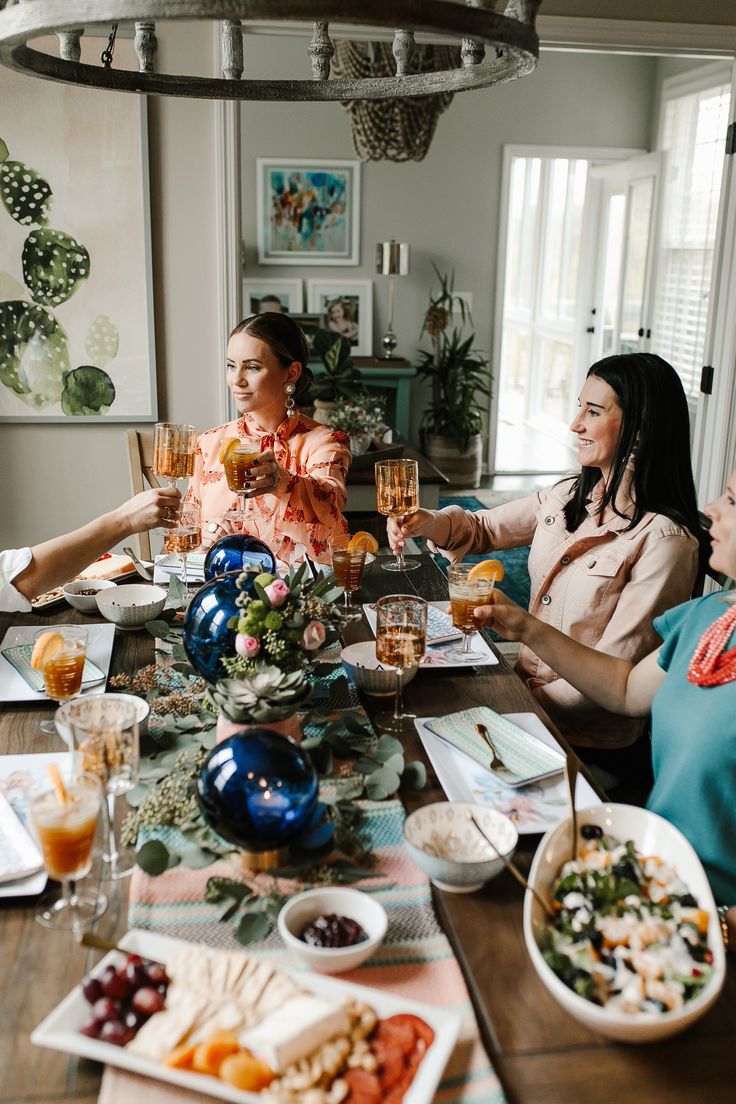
(692, 136)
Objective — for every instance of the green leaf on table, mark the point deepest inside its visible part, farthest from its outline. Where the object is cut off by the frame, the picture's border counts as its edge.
(158, 628)
(177, 590)
(183, 667)
(208, 738)
(395, 762)
(219, 889)
(415, 775)
(138, 794)
(388, 746)
(153, 857)
(178, 653)
(346, 872)
(381, 784)
(188, 723)
(229, 912)
(252, 927)
(367, 766)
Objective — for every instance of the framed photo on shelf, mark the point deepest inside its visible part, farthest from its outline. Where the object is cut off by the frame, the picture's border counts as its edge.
(282, 296)
(346, 307)
(308, 211)
(76, 294)
(309, 324)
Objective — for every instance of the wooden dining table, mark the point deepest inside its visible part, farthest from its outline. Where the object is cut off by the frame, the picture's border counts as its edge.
(541, 1054)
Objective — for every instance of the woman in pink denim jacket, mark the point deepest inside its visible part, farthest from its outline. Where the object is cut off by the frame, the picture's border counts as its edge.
(611, 548)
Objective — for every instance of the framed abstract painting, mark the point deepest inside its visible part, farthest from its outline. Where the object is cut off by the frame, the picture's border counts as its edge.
(308, 211)
(76, 303)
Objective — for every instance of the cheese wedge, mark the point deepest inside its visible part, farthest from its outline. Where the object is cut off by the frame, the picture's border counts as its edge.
(107, 568)
(295, 1030)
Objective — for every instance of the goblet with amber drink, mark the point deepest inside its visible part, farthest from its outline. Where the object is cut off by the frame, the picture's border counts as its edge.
(470, 585)
(59, 655)
(401, 638)
(238, 455)
(174, 447)
(64, 818)
(105, 737)
(347, 567)
(397, 494)
(185, 537)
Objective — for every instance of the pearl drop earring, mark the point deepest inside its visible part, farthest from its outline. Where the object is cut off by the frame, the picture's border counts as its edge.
(289, 388)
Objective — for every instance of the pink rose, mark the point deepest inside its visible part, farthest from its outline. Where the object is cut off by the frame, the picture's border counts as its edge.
(277, 592)
(247, 646)
(313, 636)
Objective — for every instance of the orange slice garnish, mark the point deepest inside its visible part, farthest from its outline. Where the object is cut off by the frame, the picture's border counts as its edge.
(47, 645)
(58, 783)
(226, 446)
(363, 542)
(487, 569)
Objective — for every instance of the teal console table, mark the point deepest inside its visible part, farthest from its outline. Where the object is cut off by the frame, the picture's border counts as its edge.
(391, 378)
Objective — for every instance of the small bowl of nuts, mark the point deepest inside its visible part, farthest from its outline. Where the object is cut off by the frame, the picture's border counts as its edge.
(82, 593)
(333, 929)
(130, 606)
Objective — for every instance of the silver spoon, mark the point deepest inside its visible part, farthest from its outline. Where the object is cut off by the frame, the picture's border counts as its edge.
(571, 776)
(511, 867)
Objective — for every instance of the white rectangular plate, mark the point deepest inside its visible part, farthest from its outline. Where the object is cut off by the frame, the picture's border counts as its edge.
(438, 655)
(51, 597)
(14, 688)
(15, 772)
(60, 1029)
(535, 808)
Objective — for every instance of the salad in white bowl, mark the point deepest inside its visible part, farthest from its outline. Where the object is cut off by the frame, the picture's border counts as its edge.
(634, 950)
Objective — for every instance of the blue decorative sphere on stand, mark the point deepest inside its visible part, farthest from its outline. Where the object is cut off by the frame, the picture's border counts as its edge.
(237, 551)
(207, 636)
(258, 789)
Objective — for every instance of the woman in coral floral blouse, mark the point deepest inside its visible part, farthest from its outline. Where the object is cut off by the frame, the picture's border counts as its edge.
(297, 490)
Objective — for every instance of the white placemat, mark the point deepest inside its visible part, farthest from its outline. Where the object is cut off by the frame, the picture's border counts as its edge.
(14, 688)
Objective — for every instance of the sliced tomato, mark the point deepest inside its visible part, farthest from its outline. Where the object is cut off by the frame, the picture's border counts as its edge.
(391, 1062)
(397, 1031)
(365, 1087)
(421, 1029)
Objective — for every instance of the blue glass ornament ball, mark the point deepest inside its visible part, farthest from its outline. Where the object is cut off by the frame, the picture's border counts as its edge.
(257, 789)
(236, 551)
(207, 636)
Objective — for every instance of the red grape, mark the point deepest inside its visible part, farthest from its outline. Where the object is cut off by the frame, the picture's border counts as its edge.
(116, 986)
(92, 989)
(135, 974)
(106, 1009)
(156, 974)
(115, 1032)
(91, 1029)
(134, 1019)
(147, 1001)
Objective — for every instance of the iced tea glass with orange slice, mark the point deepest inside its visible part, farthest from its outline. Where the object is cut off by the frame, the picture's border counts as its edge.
(59, 655)
(64, 815)
(237, 456)
(470, 585)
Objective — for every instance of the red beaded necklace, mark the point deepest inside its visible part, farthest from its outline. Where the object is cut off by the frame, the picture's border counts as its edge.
(711, 665)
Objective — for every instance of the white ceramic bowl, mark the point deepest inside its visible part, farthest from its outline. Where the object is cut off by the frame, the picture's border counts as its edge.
(359, 660)
(130, 606)
(61, 717)
(652, 835)
(87, 603)
(305, 907)
(446, 845)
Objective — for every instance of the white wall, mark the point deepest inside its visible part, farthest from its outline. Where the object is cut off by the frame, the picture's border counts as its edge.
(446, 206)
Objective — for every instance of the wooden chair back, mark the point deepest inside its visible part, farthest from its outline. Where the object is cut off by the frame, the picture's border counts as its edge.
(140, 464)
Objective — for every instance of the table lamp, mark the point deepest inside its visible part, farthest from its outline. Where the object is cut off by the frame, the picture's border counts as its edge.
(392, 260)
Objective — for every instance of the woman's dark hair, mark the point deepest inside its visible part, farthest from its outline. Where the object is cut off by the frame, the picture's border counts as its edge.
(285, 340)
(655, 427)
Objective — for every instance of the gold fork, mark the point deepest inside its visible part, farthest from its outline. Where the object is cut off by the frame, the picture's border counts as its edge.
(497, 763)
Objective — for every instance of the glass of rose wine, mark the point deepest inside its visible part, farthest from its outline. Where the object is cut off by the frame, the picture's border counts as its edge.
(467, 592)
(397, 494)
(174, 447)
(401, 639)
(184, 537)
(64, 816)
(105, 738)
(59, 654)
(238, 462)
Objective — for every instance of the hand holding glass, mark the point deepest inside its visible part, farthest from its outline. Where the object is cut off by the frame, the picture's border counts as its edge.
(65, 823)
(401, 638)
(238, 463)
(465, 595)
(105, 734)
(185, 536)
(397, 494)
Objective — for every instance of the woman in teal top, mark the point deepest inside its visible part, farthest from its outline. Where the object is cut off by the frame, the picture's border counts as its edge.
(688, 685)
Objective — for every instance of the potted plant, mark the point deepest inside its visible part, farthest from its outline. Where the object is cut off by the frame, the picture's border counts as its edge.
(361, 418)
(451, 426)
(340, 379)
(268, 697)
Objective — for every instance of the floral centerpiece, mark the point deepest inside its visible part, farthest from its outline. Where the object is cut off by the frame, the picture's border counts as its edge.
(281, 625)
(362, 418)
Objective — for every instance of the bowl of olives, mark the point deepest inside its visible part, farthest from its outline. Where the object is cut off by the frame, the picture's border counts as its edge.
(333, 929)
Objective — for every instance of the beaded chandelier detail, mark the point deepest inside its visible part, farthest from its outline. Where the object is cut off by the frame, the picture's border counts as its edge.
(512, 38)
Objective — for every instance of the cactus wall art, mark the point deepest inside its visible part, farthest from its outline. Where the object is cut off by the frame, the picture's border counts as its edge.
(76, 341)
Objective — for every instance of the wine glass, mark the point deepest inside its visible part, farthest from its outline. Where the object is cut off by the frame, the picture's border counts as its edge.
(237, 462)
(60, 659)
(184, 536)
(401, 639)
(347, 567)
(64, 818)
(104, 733)
(465, 594)
(174, 447)
(397, 493)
